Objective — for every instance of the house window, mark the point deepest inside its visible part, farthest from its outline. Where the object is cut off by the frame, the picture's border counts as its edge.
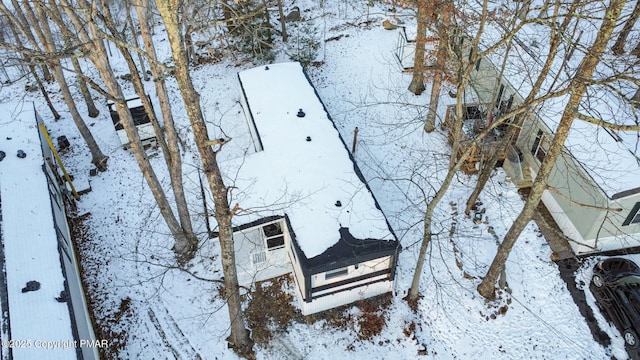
(634, 215)
(500, 93)
(274, 236)
(336, 273)
(540, 146)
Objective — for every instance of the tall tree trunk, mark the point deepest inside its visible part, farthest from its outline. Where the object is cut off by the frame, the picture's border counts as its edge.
(239, 338)
(134, 37)
(439, 69)
(46, 74)
(98, 158)
(84, 90)
(618, 47)
(44, 92)
(283, 22)
(82, 84)
(174, 158)
(428, 218)
(417, 81)
(99, 57)
(578, 85)
(455, 162)
(430, 121)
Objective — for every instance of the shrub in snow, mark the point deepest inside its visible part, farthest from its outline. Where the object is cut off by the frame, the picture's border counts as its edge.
(304, 43)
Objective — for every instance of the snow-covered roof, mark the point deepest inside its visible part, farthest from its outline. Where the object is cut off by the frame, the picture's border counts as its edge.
(30, 242)
(611, 158)
(304, 169)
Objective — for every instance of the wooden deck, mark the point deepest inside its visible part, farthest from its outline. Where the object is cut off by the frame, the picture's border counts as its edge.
(475, 120)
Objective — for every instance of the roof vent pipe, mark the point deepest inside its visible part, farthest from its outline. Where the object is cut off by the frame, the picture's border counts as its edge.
(22, 154)
(308, 138)
(2, 155)
(300, 113)
(338, 203)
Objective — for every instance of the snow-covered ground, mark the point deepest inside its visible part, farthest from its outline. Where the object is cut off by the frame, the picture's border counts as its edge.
(169, 313)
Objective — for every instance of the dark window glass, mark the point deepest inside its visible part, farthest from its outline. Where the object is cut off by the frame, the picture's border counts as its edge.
(336, 273)
(272, 230)
(275, 242)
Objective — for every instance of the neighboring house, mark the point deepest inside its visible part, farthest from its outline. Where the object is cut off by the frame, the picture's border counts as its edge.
(598, 171)
(44, 311)
(303, 207)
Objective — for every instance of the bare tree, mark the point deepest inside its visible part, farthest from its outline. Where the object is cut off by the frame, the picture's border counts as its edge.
(239, 338)
(170, 150)
(578, 86)
(34, 72)
(90, 37)
(443, 26)
(419, 66)
(173, 156)
(556, 38)
(459, 153)
(455, 160)
(621, 41)
(38, 22)
(92, 110)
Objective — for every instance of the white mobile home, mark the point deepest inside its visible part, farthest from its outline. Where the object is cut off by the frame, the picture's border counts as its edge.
(44, 312)
(306, 209)
(594, 189)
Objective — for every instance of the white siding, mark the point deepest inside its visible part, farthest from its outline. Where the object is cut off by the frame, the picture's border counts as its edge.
(350, 292)
(363, 269)
(345, 297)
(254, 261)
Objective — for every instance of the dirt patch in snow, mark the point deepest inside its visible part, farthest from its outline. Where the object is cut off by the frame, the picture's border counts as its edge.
(271, 310)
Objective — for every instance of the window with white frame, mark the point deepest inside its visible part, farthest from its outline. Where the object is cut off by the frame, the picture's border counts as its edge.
(273, 235)
(265, 238)
(540, 146)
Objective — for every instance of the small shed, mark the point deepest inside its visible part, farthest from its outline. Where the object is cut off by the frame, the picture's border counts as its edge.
(308, 209)
(140, 118)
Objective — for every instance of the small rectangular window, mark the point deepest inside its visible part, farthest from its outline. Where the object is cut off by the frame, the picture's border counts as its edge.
(500, 93)
(272, 230)
(336, 273)
(275, 243)
(540, 146)
(274, 236)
